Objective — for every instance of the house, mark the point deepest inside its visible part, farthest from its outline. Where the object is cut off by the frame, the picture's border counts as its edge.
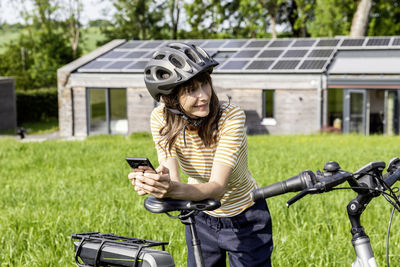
(285, 86)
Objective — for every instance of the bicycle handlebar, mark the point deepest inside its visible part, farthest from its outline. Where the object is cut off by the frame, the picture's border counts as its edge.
(296, 183)
(309, 183)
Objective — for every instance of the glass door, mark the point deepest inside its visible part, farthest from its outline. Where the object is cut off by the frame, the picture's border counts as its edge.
(392, 112)
(97, 107)
(107, 111)
(354, 114)
(118, 118)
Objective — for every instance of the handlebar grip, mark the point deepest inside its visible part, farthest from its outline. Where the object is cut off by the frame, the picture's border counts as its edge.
(393, 178)
(267, 191)
(296, 183)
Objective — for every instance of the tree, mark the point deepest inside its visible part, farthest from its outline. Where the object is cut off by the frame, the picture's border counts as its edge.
(204, 18)
(227, 19)
(360, 19)
(74, 9)
(331, 18)
(40, 50)
(174, 12)
(298, 13)
(384, 18)
(275, 9)
(248, 20)
(137, 19)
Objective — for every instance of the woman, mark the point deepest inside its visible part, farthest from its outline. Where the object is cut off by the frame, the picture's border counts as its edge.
(191, 129)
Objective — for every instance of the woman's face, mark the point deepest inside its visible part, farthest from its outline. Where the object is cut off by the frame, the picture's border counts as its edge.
(196, 102)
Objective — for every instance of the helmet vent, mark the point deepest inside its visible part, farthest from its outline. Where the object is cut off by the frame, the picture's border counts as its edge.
(159, 56)
(176, 62)
(175, 47)
(202, 52)
(191, 56)
(162, 74)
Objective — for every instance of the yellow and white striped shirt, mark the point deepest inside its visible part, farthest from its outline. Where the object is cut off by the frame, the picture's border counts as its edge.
(196, 160)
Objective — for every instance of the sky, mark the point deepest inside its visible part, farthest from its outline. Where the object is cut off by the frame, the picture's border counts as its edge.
(92, 9)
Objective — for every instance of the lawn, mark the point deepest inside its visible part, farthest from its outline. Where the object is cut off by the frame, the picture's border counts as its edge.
(52, 189)
(41, 127)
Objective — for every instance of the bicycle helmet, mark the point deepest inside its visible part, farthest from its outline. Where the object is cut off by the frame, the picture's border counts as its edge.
(173, 65)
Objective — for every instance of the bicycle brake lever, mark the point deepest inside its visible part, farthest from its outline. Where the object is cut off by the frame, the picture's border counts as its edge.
(301, 195)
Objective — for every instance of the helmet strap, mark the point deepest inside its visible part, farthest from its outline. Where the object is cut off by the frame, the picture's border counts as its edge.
(190, 121)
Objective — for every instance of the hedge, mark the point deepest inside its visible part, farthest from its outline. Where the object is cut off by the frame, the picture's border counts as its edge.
(36, 105)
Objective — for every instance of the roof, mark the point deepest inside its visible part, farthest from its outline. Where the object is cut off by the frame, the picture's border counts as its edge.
(292, 55)
(366, 62)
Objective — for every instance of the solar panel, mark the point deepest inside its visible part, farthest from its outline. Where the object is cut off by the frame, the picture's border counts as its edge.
(196, 42)
(221, 62)
(280, 43)
(257, 44)
(286, 65)
(213, 44)
(234, 65)
(312, 64)
(378, 42)
(396, 41)
(321, 53)
(114, 54)
(138, 65)
(271, 53)
(295, 53)
(352, 42)
(135, 54)
(118, 65)
(131, 44)
(234, 44)
(328, 42)
(147, 54)
(211, 52)
(152, 44)
(260, 65)
(246, 53)
(303, 43)
(96, 64)
(224, 54)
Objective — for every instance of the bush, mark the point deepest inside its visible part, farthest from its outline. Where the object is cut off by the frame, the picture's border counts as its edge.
(37, 105)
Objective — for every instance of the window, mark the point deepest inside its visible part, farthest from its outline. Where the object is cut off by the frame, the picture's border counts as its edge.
(268, 103)
(107, 111)
(268, 97)
(335, 108)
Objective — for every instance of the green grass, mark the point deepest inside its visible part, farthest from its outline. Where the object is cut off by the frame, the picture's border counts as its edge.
(55, 188)
(41, 127)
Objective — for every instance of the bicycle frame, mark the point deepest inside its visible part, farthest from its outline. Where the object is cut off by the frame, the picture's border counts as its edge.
(361, 242)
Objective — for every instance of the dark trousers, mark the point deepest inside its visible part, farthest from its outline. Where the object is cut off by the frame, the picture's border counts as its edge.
(246, 237)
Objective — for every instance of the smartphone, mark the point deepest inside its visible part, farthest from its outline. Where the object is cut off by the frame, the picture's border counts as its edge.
(136, 162)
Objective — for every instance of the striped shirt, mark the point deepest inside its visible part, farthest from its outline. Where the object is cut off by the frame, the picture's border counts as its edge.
(196, 160)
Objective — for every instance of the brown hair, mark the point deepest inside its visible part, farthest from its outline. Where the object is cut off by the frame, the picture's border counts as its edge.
(208, 128)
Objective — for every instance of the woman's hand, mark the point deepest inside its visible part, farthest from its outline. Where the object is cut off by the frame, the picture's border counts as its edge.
(137, 172)
(146, 181)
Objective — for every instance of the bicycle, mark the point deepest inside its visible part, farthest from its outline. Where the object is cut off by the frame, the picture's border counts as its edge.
(98, 249)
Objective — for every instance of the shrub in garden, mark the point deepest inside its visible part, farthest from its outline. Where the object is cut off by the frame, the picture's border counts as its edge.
(36, 105)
